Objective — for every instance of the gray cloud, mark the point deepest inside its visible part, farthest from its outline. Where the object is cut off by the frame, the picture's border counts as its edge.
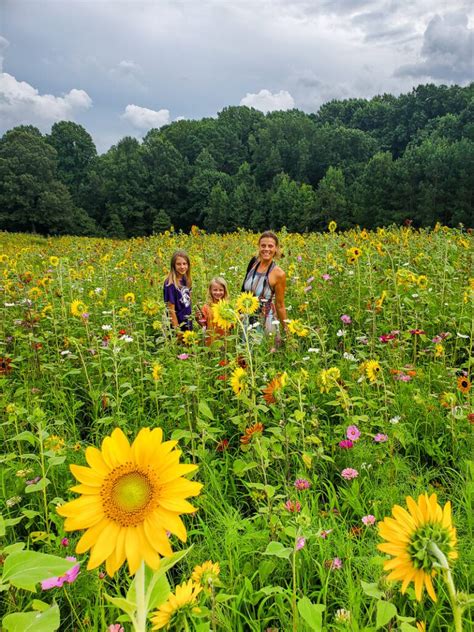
(447, 51)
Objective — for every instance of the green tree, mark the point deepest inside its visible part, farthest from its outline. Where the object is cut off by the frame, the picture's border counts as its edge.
(332, 203)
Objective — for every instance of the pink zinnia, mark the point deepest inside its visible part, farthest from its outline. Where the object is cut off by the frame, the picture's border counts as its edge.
(324, 533)
(69, 577)
(300, 542)
(347, 320)
(183, 356)
(326, 277)
(368, 520)
(293, 507)
(349, 473)
(302, 483)
(336, 563)
(353, 433)
(380, 437)
(346, 443)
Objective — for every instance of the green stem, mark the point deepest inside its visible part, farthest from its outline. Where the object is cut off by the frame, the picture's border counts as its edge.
(141, 602)
(448, 580)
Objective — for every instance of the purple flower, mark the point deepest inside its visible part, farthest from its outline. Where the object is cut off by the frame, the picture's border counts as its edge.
(380, 437)
(302, 483)
(183, 356)
(368, 520)
(349, 473)
(326, 277)
(69, 577)
(346, 444)
(299, 258)
(353, 433)
(293, 506)
(310, 280)
(115, 627)
(300, 542)
(65, 542)
(336, 563)
(308, 289)
(347, 320)
(324, 533)
(402, 377)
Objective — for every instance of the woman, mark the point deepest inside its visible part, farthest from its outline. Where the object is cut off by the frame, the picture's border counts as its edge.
(267, 281)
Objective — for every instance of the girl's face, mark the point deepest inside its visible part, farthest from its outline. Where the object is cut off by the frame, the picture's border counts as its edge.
(217, 292)
(267, 248)
(181, 266)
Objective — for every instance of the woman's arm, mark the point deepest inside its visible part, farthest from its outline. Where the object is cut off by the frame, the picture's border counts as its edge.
(280, 287)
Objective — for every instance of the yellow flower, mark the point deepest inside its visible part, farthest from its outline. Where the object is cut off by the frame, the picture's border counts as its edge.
(332, 226)
(131, 495)
(238, 380)
(157, 371)
(380, 301)
(372, 370)
(353, 254)
(3, 258)
(327, 379)
(185, 596)
(206, 574)
(223, 314)
(78, 308)
(407, 539)
(190, 338)
(421, 626)
(150, 307)
(54, 443)
(422, 281)
(129, 297)
(34, 293)
(464, 384)
(54, 261)
(247, 303)
(296, 327)
(439, 351)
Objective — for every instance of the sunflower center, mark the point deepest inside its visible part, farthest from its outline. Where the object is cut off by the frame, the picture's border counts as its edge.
(419, 550)
(129, 494)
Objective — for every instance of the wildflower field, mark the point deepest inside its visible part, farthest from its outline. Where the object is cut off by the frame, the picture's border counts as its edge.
(323, 483)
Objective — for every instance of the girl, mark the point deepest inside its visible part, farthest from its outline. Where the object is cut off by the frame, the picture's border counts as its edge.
(267, 281)
(216, 292)
(177, 292)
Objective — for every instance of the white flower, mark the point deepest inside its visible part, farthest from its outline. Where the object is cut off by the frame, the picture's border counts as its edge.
(314, 350)
(275, 322)
(9, 304)
(415, 295)
(107, 313)
(305, 358)
(349, 356)
(66, 352)
(462, 335)
(126, 338)
(106, 327)
(395, 420)
(340, 333)
(350, 272)
(98, 290)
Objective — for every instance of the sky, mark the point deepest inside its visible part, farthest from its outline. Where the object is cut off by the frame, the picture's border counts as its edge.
(120, 68)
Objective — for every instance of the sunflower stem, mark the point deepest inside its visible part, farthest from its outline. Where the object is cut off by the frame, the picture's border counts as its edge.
(448, 580)
(141, 602)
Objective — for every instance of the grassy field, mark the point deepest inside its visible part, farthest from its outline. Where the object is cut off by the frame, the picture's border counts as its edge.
(302, 449)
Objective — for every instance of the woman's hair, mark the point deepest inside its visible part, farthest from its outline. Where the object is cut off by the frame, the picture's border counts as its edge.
(172, 277)
(268, 234)
(220, 281)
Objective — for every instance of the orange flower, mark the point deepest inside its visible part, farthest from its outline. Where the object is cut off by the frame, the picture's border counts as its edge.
(250, 432)
(274, 386)
(464, 385)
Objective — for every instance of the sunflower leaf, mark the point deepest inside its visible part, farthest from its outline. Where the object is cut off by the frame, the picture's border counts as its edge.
(385, 612)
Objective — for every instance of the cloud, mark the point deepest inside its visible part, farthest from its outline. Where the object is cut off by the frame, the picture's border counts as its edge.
(267, 102)
(21, 104)
(447, 51)
(145, 119)
(4, 44)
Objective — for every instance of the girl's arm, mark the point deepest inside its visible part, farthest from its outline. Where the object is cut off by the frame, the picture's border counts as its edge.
(280, 287)
(172, 313)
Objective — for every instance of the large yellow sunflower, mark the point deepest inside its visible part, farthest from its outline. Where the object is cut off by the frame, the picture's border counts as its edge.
(184, 596)
(131, 495)
(296, 327)
(223, 315)
(78, 308)
(408, 537)
(238, 380)
(247, 303)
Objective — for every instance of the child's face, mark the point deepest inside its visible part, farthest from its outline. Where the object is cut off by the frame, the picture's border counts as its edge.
(181, 266)
(217, 291)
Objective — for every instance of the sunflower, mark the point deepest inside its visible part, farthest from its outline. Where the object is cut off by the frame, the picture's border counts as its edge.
(185, 596)
(327, 379)
(129, 297)
(251, 431)
(223, 315)
(274, 387)
(150, 307)
(54, 261)
(296, 327)
(353, 254)
(190, 338)
(78, 308)
(247, 303)
(464, 385)
(372, 370)
(157, 371)
(421, 626)
(206, 574)
(332, 226)
(238, 380)
(34, 293)
(131, 495)
(408, 537)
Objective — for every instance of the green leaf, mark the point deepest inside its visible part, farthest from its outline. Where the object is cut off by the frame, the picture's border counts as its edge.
(37, 487)
(122, 604)
(46, 621)
(406, 627)
(2, 526)
(385, 612)
(25, 436)
(24, 569)
(311, 613)
(241, 466)
(159, 593)
(277, 549)
(205, 410)
(371, 590)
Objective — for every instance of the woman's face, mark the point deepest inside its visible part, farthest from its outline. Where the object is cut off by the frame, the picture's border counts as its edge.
(217, 291)
(181, 266)
(267, 248)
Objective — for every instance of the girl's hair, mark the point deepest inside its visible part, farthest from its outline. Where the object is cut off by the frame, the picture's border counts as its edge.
(220, 281)
(172, 277)
(268, 234)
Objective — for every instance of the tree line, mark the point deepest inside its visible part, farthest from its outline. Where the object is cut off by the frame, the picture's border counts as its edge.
(367, 162)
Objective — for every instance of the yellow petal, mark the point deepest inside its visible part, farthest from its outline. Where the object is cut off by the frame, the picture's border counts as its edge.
(89, 538)
(429, 587)
(95, 460)
(86, 475)
(419, 580)
(132, 550)
(171, 522)
(177, 505)
(105, 544)
(181, 487)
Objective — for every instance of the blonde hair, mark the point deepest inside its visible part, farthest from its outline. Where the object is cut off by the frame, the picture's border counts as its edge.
(172, 278)
(220, 281)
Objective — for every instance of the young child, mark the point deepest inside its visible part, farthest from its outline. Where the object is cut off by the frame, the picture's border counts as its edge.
(216, 292)
(177, 292)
